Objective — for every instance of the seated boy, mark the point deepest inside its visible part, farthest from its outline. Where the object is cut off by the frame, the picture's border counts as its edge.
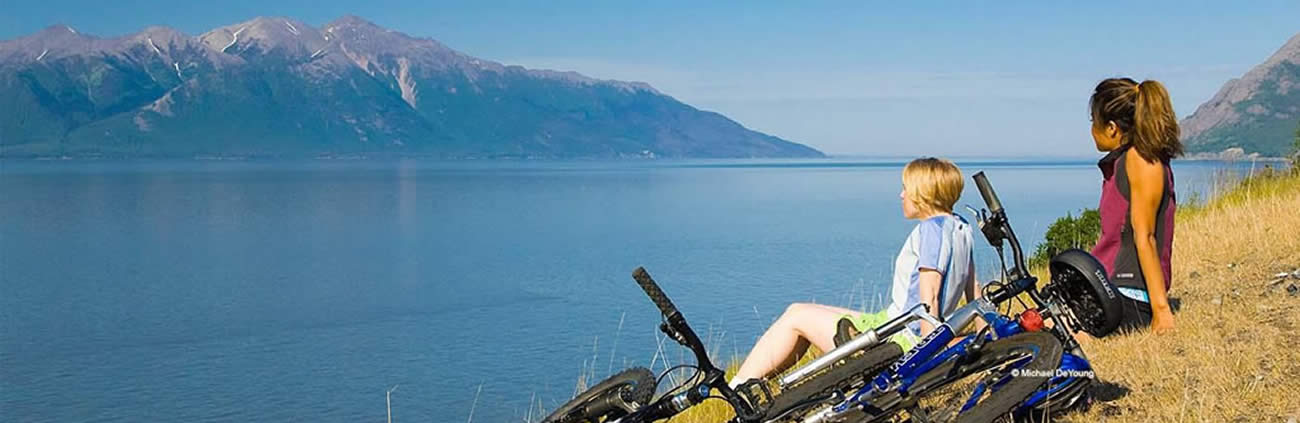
(934, 267)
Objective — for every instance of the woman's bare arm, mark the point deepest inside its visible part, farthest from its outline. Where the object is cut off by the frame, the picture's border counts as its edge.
(1146, 187)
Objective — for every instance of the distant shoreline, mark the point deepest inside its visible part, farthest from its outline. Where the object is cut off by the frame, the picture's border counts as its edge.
(1197, 157)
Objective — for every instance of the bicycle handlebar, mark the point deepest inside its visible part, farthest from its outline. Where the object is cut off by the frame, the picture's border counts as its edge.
(676, 327)
(652, 290)
(986, 191)
(997, 228)
(1012, 289)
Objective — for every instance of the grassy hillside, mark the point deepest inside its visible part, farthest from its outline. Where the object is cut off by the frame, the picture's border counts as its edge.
(1235, 355)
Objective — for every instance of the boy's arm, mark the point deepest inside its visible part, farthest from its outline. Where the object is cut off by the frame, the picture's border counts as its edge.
(973, 292)
(930, 281)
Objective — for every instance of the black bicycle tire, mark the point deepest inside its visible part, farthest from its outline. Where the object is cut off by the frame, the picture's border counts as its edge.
(1094, 284)
(1034, 374)
(641, 378)
(841, 375)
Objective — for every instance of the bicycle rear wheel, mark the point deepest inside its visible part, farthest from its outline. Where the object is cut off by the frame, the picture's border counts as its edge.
(614, 397)
(988, 385)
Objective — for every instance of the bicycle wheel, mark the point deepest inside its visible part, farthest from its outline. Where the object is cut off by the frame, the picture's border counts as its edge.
(990, 384)
(614, 397)
(1079, 281)
(850, 373)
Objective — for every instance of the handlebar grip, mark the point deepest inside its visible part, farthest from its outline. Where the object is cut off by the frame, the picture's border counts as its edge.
(1011, 290)
(986, 191)
(652, 290)
(999, 296)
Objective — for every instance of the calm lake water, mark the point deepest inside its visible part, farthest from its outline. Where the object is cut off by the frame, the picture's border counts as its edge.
(303, 290)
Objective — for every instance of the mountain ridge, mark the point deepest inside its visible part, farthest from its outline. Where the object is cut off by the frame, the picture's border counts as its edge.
(278, 86)
(1257, 113)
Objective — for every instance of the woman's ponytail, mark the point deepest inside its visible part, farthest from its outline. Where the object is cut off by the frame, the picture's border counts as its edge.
(1155, 128)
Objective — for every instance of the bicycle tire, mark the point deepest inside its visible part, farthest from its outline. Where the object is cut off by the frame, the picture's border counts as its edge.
(634, 386)
(1084, 288)
(1023, 381)
(853, 371)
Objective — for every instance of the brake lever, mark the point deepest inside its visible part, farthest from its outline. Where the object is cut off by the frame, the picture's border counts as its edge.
(979, 215)
(672, 333)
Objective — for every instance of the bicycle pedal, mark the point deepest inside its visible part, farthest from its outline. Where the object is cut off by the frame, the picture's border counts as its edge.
(756, 392)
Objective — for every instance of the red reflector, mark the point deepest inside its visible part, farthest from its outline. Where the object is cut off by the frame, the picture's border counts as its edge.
(1031, 320)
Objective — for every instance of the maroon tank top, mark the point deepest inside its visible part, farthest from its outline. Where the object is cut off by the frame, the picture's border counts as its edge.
(1115, 248)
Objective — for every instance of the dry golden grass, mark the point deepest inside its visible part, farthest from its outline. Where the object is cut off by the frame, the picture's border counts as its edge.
(1235, 355)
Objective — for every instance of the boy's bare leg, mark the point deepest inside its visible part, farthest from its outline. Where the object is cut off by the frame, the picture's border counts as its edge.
(789, 337)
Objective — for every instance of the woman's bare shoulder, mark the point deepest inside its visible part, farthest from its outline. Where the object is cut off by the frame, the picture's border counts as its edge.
(1142, 172)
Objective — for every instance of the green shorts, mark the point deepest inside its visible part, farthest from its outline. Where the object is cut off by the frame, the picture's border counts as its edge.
(867, 321)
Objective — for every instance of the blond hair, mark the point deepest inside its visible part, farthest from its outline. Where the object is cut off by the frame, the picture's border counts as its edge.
(933, 184)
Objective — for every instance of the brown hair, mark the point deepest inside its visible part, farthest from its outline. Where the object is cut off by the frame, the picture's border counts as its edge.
(1143, 113)
(933, 184)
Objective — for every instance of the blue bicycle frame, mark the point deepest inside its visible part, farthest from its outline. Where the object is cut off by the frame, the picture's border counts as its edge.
(930, 353)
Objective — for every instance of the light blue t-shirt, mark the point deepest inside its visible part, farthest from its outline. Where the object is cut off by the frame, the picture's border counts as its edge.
(943, 243)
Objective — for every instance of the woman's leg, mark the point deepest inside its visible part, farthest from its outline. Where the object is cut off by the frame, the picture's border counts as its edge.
(789, 337)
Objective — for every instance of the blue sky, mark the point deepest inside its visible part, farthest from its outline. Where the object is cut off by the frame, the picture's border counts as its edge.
(863, 78)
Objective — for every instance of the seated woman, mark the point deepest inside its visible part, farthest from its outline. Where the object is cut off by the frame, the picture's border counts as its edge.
(934, 267)
(1135, 124)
